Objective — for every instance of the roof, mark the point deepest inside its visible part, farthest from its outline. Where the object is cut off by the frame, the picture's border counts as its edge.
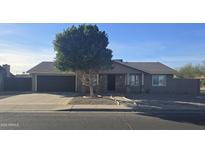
(149, 67)
(45, 67)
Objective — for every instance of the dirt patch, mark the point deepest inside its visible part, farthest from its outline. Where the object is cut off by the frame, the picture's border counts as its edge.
(94, 101)
(102, 100)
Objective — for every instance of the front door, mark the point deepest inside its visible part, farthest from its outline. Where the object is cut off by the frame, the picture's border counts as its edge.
(111, 82)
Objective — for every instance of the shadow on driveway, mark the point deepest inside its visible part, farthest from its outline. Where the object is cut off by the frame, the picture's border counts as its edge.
(187, 117)
(178, 108)
(6, 94)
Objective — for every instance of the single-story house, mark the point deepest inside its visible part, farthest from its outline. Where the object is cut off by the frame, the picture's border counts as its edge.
(123, 77)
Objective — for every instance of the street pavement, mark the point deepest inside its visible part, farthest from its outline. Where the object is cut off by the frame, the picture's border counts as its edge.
(66, 120)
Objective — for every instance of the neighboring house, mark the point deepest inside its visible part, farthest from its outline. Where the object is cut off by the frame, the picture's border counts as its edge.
(2, 76)
(10, 82)
(124, 77)
(4, 73)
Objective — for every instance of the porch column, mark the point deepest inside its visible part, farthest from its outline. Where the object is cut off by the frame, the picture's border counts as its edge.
(127, 80)
(97, 80)
(142, 79)
(76, 82)
(142, 87)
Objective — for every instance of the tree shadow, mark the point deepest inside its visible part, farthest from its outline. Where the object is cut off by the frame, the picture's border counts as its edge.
(178, 108)
(6, 94)
(169, 97)
(194, 118)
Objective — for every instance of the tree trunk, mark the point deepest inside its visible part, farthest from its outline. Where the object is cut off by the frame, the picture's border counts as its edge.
(91, 91)
(87, 79)
(90, 84)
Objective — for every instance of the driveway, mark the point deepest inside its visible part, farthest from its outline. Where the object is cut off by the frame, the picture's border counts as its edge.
(34, 101)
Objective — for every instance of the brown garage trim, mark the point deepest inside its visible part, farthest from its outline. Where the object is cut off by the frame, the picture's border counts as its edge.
(35, 81)
(55, 83)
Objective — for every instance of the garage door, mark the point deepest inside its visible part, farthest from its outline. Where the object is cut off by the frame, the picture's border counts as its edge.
(55, 83)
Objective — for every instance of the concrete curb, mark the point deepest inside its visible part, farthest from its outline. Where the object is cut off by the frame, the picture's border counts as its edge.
(104, 111)
(102, 108)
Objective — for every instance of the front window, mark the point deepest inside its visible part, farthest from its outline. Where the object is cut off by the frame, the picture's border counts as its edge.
(134, 80)
(159, 80)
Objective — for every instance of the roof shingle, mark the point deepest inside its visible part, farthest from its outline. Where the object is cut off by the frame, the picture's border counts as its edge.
(150, 67)
(46, 67)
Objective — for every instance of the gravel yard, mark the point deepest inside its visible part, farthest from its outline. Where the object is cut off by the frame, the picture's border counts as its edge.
(87, 100)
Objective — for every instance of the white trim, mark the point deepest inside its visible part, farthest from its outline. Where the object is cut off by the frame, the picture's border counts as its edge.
(54, 74)
(35, 81)
(60, 73)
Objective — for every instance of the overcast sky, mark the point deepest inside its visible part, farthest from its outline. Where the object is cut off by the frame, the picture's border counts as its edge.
(25, 45)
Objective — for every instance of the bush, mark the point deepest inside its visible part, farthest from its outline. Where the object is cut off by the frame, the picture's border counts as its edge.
(202, 83)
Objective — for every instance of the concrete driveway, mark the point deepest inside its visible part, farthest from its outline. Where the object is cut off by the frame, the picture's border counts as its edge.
(34, 102)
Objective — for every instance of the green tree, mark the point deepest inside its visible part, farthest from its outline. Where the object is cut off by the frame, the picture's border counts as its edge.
(191, 71)
(202, 67)
(83, 49)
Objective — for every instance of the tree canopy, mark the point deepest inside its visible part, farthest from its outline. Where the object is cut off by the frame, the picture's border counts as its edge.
(192, 71)
(83, 49)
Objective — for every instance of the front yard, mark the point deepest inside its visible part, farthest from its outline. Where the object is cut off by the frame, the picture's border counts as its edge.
(84, 100)
(116, 99)
(138, 102)
(145, 102)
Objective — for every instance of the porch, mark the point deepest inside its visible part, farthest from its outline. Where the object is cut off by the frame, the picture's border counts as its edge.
(121, 83)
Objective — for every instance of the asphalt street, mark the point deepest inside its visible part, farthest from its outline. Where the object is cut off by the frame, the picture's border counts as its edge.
(64, 120)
